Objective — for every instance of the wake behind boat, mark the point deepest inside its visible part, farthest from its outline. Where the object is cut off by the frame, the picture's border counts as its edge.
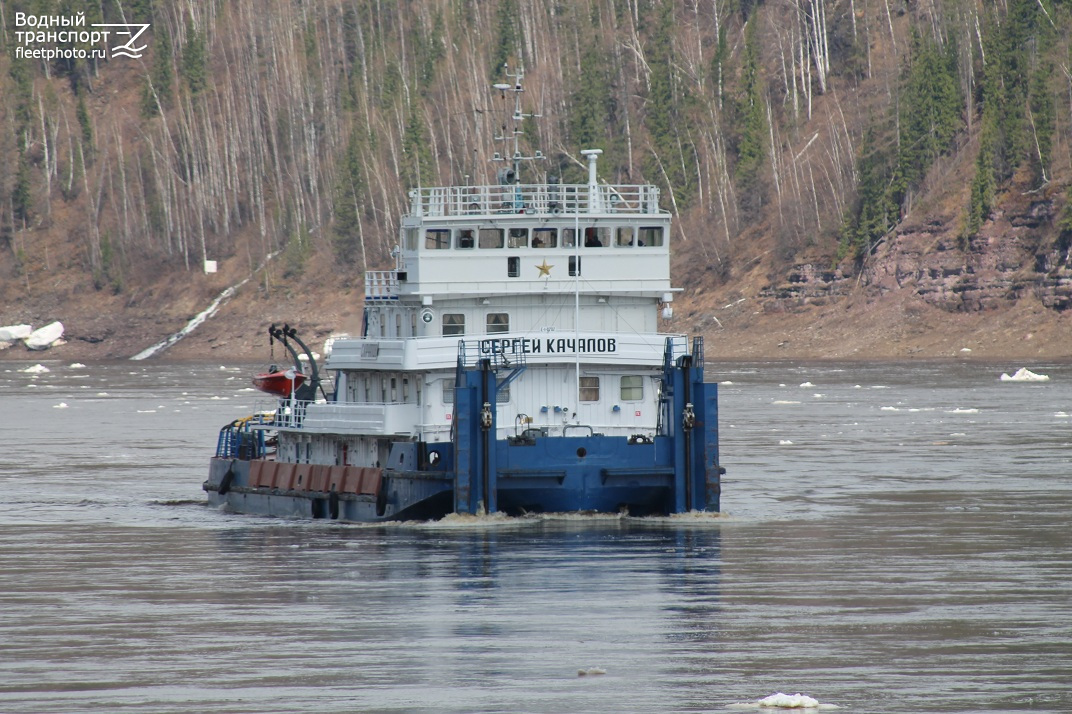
(510, 362)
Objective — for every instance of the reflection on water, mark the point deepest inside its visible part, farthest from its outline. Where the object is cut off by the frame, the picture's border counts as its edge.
(895, 540)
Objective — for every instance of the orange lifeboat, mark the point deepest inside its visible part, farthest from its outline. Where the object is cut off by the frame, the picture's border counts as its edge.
(281, 383)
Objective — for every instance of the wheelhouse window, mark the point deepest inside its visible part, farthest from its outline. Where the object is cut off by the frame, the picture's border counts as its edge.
(544, 237)
(632, 388)
(437, 238)
(453, 324)
(491, 237)
(466, 239)
(518, 238)
(498, 322)
(589, 389)
(623, 237)
(569, 237)
(650, 236)
(596, 237)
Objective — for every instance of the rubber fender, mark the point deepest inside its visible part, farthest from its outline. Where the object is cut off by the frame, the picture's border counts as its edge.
(381, 498)
(225, 482)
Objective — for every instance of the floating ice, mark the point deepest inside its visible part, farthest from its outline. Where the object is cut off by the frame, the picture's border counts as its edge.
(806, 384)
(784, 401)
(590, 671)
(36, 369)
(785, 442)
(959, 410)
(61, 405)
(1025, 375)
(726, 383)
(77, 365)
(789, 701)
(784, 701)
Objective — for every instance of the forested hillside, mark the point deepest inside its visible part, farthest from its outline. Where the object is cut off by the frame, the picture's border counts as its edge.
(802, 142)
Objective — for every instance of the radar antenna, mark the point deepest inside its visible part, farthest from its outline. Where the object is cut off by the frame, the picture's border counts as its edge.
(509, 175)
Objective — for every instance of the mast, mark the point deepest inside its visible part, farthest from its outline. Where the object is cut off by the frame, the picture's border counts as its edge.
(509, 176)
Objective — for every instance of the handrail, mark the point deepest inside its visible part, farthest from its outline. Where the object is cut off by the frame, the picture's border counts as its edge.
(542, 199)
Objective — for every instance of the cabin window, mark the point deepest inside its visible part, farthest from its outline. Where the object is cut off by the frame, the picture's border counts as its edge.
(394, 389)
(368, 388)
(498, 322)
(632, 388)
(383, 390)
(405, 389)
(574, 265)
(623, 237)
(569, 237)
(491, 238)
(518, 238)
(544, 237)
(596, 237)
(411, 237)
(589, 389)
(466, 239)
(651, 236)
(398, 324)
(513, 267)
(501, 397)
(437, 238)
(453, 324)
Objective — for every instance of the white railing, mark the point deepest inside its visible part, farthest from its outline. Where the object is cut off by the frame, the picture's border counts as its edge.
(541, 199)
(381, 285)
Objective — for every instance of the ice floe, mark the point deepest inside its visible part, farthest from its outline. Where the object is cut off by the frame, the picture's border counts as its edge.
(1024, 375)
(44, 337)
(36, 369)
(590, 671)
(784, 701)
(14, 333)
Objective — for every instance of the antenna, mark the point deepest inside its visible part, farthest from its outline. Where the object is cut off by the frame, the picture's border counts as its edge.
(506, 175)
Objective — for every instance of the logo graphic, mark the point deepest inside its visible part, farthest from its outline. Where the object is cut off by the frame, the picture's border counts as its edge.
(50, 37)
(127, 49)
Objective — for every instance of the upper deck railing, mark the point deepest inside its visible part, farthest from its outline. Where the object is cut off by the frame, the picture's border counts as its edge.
(542, 198)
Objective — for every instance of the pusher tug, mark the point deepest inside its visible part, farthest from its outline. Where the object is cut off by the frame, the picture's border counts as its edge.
(511, 362)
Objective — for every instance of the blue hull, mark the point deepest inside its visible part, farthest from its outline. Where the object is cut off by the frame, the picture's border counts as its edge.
(675, 471)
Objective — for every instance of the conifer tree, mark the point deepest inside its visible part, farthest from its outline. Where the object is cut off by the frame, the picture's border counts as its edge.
(672, 159)
(417, 156)
(750, 146)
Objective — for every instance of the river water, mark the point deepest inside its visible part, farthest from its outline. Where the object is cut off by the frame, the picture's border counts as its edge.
(895, 538)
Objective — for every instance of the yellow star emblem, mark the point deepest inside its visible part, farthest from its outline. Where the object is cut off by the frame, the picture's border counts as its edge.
(545, 269)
